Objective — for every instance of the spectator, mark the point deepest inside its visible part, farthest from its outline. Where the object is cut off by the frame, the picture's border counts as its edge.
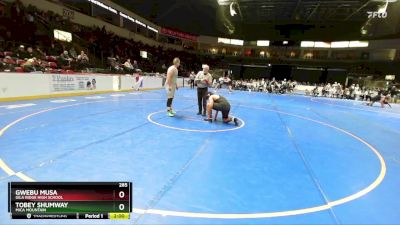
(128, 66)
(53, 51)
(72, 53)
(65, 59)
(29, 52)
(135, 66)
(32, 65)
(39, 54)
(30, 18)
(83, 60)
(21, 53)
(114, 64)
(118, 59)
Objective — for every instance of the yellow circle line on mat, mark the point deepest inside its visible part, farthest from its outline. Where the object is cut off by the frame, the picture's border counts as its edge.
(242, 124)
(329, 205)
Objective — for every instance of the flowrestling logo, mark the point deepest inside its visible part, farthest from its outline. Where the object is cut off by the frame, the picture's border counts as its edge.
(381, 13)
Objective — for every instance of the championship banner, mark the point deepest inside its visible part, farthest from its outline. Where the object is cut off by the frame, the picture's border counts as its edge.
(59, 82)
(178, 34)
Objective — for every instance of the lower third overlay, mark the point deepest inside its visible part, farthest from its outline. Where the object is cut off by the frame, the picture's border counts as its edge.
(70, 200)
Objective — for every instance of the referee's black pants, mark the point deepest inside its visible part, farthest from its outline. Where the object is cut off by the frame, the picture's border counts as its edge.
(201, 99)
(192, 84)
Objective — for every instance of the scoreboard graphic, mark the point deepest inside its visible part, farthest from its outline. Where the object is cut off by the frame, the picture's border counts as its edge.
(70, 200)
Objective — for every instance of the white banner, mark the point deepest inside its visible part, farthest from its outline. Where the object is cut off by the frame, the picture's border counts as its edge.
(20, 84)
(60, 82)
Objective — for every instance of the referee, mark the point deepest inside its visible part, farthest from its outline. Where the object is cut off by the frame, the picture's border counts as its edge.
(203, 80)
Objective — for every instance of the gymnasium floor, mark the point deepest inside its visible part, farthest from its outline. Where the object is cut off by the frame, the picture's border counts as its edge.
(293, 159)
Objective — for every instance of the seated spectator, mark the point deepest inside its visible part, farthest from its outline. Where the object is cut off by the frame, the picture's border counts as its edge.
(128, 66)
(65, 59)
(114, 64)
(135, 66)
(118, 59)
(83, 60)
(39, 54)
(72, 53)
(21, 53)
(29, 53)
(8, 63)
(32, 65)
(53, 50)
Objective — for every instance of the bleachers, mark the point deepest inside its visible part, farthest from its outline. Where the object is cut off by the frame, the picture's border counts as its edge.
(97, 43)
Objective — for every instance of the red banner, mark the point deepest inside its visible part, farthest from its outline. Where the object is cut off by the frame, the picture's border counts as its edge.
(178, 34)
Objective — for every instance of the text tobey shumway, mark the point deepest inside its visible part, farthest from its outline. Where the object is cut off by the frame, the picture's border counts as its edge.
(35, 192)
(41, 204)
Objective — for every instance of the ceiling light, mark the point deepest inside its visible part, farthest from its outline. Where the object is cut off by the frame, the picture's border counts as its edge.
(232, 10)
(388, 1)
(262, 43)
(223, 2)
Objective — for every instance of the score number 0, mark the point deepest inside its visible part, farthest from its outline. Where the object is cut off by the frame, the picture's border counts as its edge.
(121, 195)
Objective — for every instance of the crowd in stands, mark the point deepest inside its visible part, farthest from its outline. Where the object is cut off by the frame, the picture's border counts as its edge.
(26, 43)
(354, 91)
(265, 85)
(27, 59)
(334, 90)
(27, 30)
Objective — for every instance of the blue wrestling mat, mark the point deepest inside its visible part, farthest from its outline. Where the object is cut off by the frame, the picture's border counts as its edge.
(292, 159)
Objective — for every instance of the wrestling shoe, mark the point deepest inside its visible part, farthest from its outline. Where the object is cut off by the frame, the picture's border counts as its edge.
(208, 119)
(170, 114)
(236, 121)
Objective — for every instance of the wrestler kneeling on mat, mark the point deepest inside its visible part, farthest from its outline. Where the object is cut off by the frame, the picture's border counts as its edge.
(219, 103)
